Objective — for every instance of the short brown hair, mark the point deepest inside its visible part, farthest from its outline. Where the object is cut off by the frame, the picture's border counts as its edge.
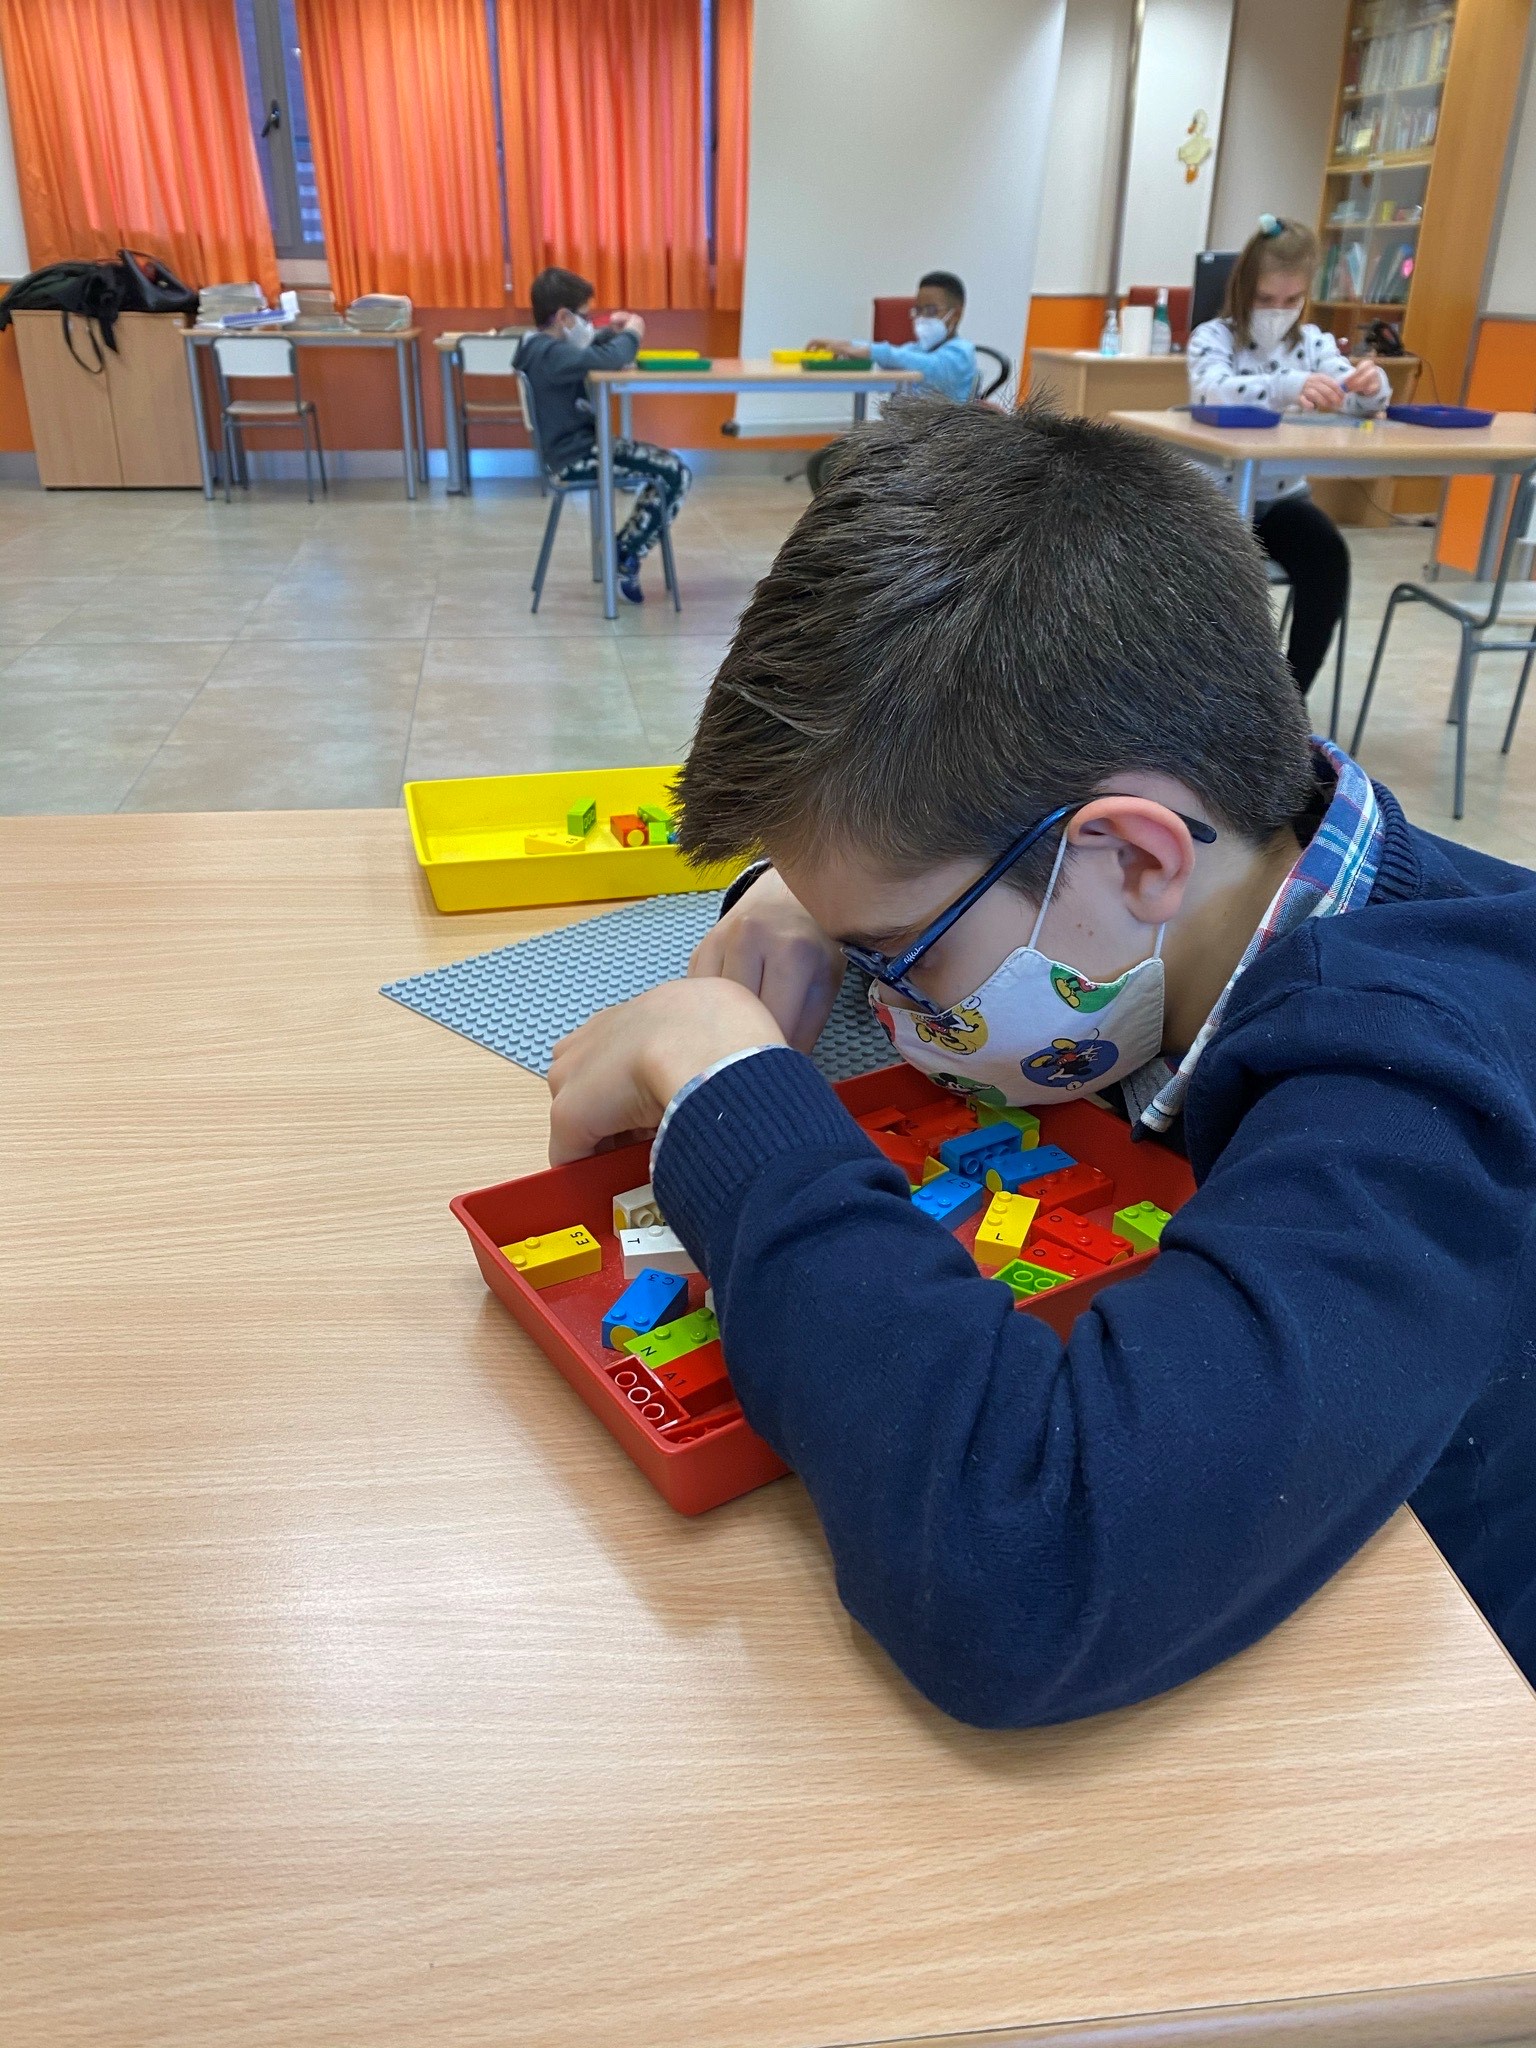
(553, 289)
(1289, 245)
(984, 615)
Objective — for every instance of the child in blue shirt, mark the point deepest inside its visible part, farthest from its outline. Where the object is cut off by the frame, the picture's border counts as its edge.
(1009, 720)
(944, 360)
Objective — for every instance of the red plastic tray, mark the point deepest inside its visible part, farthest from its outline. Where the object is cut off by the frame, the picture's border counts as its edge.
(714, 1457)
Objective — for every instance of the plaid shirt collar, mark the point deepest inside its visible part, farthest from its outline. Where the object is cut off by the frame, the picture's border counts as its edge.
(1335, 872)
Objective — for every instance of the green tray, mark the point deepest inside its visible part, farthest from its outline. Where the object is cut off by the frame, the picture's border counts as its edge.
(838, 363)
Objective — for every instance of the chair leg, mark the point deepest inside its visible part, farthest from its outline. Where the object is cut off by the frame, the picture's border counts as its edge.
(466, 480)
(1460, 699)
(557, 499)
(596, 525)
(1370, 682)
(229, 459)
(309, 467)
(325, 482)
(668, 564)
(1514, 709)
(1338, 668)
(1285, 612)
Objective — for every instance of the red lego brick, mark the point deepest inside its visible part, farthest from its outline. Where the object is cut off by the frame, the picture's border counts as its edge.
(647, 1396)
(697, 1380)
(1061, 1258)
(627, 829)
(888, 1119)
(941, 1120)
(1075, 1187)
(907, 1153)
(1077, 1234)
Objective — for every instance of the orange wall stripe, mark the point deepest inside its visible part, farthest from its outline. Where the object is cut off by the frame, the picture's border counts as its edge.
(1504, 379)
(1062, 320)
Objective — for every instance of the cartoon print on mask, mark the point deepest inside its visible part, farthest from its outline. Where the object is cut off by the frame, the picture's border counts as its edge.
(884, 1019)
(974, 1091)
(1079, 993)
(962, 1030)
(1070, 1062)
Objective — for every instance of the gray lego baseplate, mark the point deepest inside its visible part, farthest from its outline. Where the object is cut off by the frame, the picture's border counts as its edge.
(521, 999)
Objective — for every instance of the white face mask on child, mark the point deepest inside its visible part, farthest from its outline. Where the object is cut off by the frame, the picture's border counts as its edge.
(1021, 1038)
(928, 331)
(580, 332)
(1269, 325)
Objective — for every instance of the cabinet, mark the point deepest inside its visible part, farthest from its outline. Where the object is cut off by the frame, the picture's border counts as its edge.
(129, 426)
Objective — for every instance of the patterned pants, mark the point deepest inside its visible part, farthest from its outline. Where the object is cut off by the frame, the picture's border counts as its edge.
(661, 478)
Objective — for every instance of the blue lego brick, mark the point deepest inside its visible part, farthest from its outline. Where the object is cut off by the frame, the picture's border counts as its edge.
(1016, 1169)
(949, 1199)
(972, 1150)
(650, 1299)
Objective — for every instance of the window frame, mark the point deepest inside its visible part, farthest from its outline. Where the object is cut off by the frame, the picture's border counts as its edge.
(279, 165)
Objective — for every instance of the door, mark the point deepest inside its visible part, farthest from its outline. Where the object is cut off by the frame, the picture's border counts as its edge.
(152, 404)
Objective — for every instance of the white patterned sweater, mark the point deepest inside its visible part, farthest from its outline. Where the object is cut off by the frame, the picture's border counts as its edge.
(1222, 373)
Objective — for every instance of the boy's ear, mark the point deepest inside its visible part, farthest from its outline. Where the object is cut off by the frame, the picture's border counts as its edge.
(1150, 843)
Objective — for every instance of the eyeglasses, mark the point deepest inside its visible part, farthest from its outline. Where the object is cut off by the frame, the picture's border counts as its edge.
(892, 970)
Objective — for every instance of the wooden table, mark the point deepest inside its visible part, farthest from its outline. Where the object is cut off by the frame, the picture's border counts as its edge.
(1080, 380)
(1503, 450)
(404, 341)
(357, 1690)
(723, 375)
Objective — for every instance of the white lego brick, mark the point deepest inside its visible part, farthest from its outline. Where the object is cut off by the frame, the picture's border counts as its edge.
(653, 1244)
(634, 1210)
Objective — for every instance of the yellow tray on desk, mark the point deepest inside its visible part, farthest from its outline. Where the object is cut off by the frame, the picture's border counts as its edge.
(469, 833)
(802, 355)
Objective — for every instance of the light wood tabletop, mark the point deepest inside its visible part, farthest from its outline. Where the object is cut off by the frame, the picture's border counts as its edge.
(356, 1689)
(730, 373)
(1379, 446)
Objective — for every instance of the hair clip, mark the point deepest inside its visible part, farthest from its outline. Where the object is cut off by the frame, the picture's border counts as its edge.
(1270, 225)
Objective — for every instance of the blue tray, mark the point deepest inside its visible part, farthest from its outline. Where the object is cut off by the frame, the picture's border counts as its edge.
(1234, 416)
(1439, 415)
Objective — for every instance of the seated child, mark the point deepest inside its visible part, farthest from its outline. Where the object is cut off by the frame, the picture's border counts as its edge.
(1036, 653)
(1261, 353)
(944, 360)
(556, 361)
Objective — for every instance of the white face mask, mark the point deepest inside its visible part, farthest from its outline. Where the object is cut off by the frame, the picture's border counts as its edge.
(928, 331)
(1269, 325)
(1036, 1031)
(580, 331)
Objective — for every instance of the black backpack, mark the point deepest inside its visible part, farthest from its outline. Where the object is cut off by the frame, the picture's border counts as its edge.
(98, 292)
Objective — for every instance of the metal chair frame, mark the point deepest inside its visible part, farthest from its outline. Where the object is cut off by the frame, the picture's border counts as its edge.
(1280, 581)
(559, 490)
(236, 424)
(1473, 624)
(1004, 371)
(513, 411)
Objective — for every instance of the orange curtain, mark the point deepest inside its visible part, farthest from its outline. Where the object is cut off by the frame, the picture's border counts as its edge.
(404, 133)
(132, 131)
(733, 113)
(602, 116)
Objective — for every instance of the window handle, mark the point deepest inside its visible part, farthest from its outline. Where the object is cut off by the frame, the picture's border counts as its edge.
(274, 120)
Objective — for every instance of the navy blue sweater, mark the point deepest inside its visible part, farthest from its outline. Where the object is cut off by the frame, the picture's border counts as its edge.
(1340, 1320)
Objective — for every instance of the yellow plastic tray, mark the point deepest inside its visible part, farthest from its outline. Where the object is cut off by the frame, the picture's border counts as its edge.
(802, 355)
(469, 833)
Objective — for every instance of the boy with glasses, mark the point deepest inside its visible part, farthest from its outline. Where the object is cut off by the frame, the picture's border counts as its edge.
(1009, 720)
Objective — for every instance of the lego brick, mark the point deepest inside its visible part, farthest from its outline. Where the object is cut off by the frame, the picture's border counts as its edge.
(935, 1121)
(698, 1379)
(1024, 1121)
(1066, 1227)
(645, 1393)
(950, 1199)
(653, 1244)
(557, 1255)
(1025, 1279)
(1001, 1233)
(1046, 1251)
(654, 814)
(887, 1119)
(1075, 1187)
(553, 842)
(673, 1340)
(971, 1151)
(651, 1298)
(1142, 1225)
(581, 818)
(1016, 1169)
(627, 829)
(635, 1208)
(519, 1000)
(907, 1153)
(933, 1169)
(658, 835)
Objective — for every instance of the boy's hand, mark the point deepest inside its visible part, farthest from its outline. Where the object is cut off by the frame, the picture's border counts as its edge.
(614, 1077)
(1321, 394)
(838, 348)
(627, 323)
(776, 949)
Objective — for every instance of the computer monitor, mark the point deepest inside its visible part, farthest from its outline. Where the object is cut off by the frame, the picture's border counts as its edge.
(1212, 269)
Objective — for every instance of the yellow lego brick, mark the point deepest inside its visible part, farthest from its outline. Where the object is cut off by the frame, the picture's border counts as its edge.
(933, 1169)
(1002, 1231)
(553, 842)
(558, 1255)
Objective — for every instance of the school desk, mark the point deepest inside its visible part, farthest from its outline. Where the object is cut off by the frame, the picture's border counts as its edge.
(723, 375)
(358, 1689)
(1080, 380)
(1246, 456)
(405, 343)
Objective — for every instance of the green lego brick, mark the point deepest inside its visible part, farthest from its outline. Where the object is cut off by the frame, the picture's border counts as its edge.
(1143, 1224)
(658, 835)
(675, 1340)
(581, 818)
(1024, 1121)
(653, 814)
(1024, 1279)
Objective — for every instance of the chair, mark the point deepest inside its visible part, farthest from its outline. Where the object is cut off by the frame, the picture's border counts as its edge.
(1478, 609)
(272, 357)
(559, 490)
(486, 355)
(979, 389)
(1280, 581)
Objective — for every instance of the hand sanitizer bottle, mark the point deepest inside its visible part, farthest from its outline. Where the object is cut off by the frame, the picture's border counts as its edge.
(1109, 333)
(1162, 326)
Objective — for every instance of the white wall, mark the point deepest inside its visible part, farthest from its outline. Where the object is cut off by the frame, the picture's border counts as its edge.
(890, 137)
(1512, 279)
(1077, 210)
(1183, 69)
(13, 239)
(1276, 134)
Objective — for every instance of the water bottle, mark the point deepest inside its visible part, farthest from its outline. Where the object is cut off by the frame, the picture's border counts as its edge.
(1162, 326)
(1109, 333)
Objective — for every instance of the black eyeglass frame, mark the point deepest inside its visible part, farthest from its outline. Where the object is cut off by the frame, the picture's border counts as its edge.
(892, 970)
